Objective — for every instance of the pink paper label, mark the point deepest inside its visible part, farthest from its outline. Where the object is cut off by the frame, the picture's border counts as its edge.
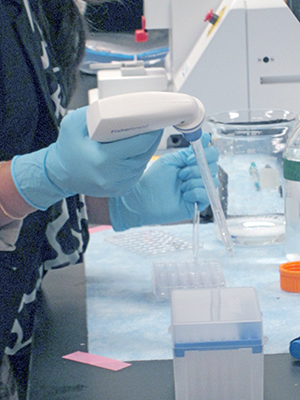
(97, 361)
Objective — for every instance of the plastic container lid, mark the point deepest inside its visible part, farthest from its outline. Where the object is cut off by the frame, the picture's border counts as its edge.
(290, 276)
(204, 317)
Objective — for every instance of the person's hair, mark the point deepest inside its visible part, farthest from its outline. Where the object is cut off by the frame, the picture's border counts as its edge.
(63, 26)
(114, 15)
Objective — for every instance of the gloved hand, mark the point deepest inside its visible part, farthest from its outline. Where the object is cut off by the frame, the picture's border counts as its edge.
(75, 164)
(166, 192)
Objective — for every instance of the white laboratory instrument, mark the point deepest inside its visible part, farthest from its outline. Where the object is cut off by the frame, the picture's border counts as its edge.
(243, 57)
(123, 116)
(127, 77)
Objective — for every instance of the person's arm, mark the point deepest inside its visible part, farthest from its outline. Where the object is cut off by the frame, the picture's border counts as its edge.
(73, 164)
(12, 205)
(165, 194)
(167, 191)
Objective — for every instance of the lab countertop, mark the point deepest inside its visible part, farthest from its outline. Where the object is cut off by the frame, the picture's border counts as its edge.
(61, 329)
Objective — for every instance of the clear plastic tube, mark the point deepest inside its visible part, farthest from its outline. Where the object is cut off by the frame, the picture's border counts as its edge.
(196, 225)
(219, 217)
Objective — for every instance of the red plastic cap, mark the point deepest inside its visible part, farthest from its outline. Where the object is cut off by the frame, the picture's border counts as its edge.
(140, 34)
(209, 16)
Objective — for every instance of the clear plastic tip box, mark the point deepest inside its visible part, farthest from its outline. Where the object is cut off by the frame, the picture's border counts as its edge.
(218, 344)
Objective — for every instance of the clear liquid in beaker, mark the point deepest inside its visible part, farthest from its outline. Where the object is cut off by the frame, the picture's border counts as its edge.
(250, 144)
(256, 230)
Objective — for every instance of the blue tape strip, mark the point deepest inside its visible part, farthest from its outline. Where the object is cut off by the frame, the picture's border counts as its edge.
(180, 348)
(110, 56)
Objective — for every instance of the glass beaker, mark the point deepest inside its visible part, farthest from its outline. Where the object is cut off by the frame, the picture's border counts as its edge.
(250, 143)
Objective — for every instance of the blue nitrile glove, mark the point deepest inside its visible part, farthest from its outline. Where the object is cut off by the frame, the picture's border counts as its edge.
(167, 191)
(75, 164)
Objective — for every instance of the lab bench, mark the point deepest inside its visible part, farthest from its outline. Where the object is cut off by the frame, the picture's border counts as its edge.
(62, 328)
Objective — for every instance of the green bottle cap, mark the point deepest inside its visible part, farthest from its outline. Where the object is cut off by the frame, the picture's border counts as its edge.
(291, 170)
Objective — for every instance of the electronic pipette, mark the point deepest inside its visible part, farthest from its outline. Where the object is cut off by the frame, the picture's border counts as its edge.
(122, 116)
